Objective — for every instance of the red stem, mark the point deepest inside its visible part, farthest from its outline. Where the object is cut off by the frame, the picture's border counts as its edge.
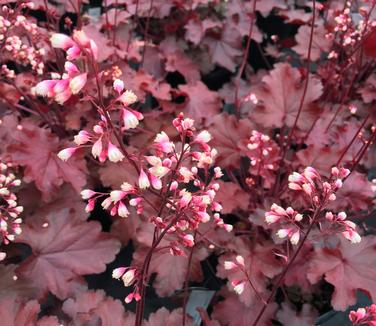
(286, 145)
(145, 268)
(140, 305)
(146, 32)
(244, 61)
(362, 152)
(352, 140)
(115, 24)
(342, 102)
(306, 81)
(288, 266)
(186, 283)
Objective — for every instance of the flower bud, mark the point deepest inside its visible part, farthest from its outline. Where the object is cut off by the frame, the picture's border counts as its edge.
(143, 180)
(118, 85)
(122, 210)
(61, 41)
(127, 98)
(87, 193)
(129, 277)
(65, 154)
(77, 83)
(118, 272)
(114, 154)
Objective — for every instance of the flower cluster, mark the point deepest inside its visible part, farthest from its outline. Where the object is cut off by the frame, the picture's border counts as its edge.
(318, 190)
(171, 171)
(9, 210)
(364, 316)
(288, 217)
(347, 228)
(17, 47)
(61, 88)
(111, 81)
(173, 168)
(237, 264)
(79, 45)
(129, 277)
(264, 157)
(71, 82)
(102, 145)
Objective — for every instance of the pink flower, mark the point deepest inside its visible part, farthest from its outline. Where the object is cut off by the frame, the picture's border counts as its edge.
(143, 180)
(238, 286)
(135, 201)
(283, 233)
(81, 38)
(118, 85)
(61, 41)
(130, 119)
(117, 195)
(66, 153)
(71, 68)
(61, 86)
(240, 260)
(294, 239)
(62, 91)
(218, 172)
(229, 265)
(276, 213)
(203, 137)
(188, 240)
(87, 193)
(126, 187)
(135, 295)
(129, 277)
(106, 203)
(73, 52)
(45, 88)
(122, 210)
(77, 83)
(352, 235)
(311, 173)
(96, 150)
(159, 171)
(127, 98)
(118, 272)
(82, 138)
(90, 206)
(185, 199)
(155, 182)
(114, 154)
(162, 142)
(174, 186)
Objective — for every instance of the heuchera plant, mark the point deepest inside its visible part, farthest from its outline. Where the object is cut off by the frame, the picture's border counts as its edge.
(158, 148)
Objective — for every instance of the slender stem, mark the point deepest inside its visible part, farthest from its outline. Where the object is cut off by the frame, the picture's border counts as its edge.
(115, 24)
(285, 146)
(244, 61)
(108, 118)
(362, 152)
(288, 266)
(301, 104)
(254, 288)
(352, 140)
(146, 33)
(145, 268)
(186, 283)
(139, 308)
(107, 20)
(342, 102)
(133, 29)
